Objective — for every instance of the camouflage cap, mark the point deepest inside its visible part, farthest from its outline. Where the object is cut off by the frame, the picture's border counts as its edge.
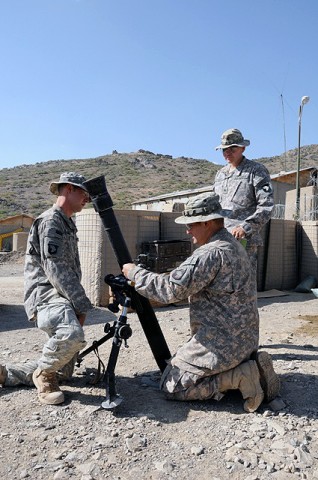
(68, 177)
(202, 208)
(232, 137)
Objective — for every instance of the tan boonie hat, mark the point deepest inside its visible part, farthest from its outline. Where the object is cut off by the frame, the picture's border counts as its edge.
(202, 208)
(232, 137)
(68, 177)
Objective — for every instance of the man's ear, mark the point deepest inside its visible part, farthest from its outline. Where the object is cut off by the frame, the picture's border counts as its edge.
(69, 188)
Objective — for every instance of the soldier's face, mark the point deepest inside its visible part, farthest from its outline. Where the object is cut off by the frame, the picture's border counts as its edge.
(78, 198)
(198, 231)
(233, 155)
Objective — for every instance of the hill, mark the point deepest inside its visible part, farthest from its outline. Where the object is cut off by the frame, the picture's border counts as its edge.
(129, 177)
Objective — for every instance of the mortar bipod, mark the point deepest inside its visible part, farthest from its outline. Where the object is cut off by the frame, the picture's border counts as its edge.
(122, 332)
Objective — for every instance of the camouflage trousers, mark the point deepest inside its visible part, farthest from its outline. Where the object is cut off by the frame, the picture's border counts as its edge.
(252, 252)
(65, 340)
(180, 384)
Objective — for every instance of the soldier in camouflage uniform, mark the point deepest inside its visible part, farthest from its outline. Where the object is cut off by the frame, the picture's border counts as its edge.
(223, 314)
(54, 297)
(244, 187)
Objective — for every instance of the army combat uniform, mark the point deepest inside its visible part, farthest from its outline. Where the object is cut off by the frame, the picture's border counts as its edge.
(224, 319)
(247, 192)
(53, 296)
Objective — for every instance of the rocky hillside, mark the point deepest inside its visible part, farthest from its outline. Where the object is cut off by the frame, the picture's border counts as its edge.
(129, 177)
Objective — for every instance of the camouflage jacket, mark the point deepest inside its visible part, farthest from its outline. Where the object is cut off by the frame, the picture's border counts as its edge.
(224, 318)
(247, 192)
(52, 268)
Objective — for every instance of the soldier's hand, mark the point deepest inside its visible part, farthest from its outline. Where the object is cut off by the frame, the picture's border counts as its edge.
(126, 268)
(238, 232)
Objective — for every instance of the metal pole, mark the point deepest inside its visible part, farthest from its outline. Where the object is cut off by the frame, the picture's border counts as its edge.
(304, 100)
(298, 165)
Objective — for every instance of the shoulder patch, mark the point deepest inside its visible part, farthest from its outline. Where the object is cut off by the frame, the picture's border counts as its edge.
(266, 188)
(182, 275)
(178, 273)
(53, 248)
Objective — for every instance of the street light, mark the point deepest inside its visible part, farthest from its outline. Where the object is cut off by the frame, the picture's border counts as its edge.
(303, 102)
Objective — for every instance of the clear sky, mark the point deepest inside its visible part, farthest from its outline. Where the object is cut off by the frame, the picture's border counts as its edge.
(81, 78)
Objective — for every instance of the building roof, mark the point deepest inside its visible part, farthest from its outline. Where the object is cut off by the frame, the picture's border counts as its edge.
(291, 172)
(15, 217)
(177, 193)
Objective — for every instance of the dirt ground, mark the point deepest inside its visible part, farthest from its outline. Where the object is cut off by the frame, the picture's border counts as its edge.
(148, 437)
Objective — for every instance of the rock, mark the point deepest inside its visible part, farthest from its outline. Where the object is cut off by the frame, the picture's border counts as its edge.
(136, 443)
(164, 466)
(277, 404)
(197, 450)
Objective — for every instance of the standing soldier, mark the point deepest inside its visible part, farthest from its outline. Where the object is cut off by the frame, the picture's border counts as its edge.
(54, 297)
(244, 187)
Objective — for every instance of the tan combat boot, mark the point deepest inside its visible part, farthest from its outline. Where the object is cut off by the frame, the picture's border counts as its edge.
(246, 378)
(3, 374)
(269, 379)
(47, 386)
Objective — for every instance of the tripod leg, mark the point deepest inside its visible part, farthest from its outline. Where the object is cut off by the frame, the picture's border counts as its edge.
(112, 399)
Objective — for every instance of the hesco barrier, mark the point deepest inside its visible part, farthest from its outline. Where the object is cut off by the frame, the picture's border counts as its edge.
(309, 264)
(277, 267)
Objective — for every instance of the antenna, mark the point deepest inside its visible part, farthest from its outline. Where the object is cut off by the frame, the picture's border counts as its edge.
(283, 109)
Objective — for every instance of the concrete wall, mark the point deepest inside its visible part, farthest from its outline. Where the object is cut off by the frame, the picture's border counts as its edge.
(19, 241)
(10, 226)
(308, 207)
(280, 190)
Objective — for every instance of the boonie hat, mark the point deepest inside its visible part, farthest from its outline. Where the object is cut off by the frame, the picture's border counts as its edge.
(202, 208)
(68, 177)
(232, 137)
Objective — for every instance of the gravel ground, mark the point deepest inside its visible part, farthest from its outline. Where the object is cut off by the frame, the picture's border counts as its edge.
(148, 437)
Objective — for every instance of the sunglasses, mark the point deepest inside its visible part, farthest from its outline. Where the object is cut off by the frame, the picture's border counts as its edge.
(83, 192)
(191, 225)
(230, 149)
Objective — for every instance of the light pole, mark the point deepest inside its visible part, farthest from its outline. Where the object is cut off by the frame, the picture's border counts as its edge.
(303, 102)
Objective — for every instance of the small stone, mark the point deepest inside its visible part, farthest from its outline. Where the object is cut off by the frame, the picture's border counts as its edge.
(197, 450)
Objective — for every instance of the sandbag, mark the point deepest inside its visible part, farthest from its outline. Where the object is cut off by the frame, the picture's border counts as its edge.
(306, 285)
